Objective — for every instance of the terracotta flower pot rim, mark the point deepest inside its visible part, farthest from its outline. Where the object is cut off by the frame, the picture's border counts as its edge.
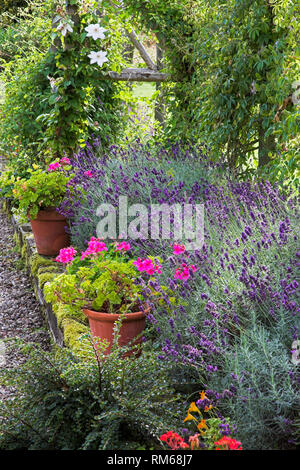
(49, 213)
(109, 317)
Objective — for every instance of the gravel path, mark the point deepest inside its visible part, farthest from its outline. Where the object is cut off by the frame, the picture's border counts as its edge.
(20, 314)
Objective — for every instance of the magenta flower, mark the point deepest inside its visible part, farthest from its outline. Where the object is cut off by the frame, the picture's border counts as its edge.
(65, 161)
(123, 246)
(66, 255)
(54, 166)
(95, 246)
(178, 249)
(183, 272)
(89, 174)
(147, 265)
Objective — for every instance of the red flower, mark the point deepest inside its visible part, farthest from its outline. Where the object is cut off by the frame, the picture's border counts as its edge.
(227, 443)
(174, 440)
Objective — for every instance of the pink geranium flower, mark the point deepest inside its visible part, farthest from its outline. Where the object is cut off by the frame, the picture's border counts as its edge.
(65, 161)
(54, 166)
(178, 249)
(89, 174)
(66, 255)
(123, 246)
(183, 272)
(94, 246)
(147, 265)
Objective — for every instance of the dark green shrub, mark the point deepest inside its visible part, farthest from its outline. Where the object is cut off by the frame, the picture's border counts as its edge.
(66, 402)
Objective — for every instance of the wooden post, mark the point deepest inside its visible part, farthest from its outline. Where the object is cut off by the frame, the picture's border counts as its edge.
(159, 107)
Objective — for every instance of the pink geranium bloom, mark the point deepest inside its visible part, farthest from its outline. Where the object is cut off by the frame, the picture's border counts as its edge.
(89, 174)
(66, 255)
(183, 272)
(65, 161)
(178, 249)
(147, 265)
(123, 246)
(54, 166)
(95, 246)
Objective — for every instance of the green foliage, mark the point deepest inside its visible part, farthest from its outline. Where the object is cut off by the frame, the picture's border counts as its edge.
(54, 99)
(235, 65)
(43, 190)
(65, 401)
(77, 86)
(26, 65)
(11, 5)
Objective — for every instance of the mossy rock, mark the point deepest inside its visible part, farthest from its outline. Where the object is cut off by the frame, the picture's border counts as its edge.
(45, 277)
(49, 269)
(73, 331)
(17, 241)
(36, 262)
(63, 311)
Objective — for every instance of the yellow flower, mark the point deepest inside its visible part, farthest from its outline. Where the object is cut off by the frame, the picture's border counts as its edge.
(202, 395)
(189, 418)
(193, 408)
(35, 166)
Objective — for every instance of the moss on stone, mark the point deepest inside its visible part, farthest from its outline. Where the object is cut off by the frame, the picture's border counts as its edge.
(45, 277)
(63, 311)
(24, 254)
(49, 269)
(36, 262)
(17, 241)
(73, 330)
(73, 323)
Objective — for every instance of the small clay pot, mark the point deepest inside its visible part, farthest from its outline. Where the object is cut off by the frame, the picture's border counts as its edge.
(49, 232)
(102, 326)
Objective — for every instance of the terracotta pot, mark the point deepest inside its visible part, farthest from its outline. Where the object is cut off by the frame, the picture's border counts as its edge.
(102, 325)
(49, 232)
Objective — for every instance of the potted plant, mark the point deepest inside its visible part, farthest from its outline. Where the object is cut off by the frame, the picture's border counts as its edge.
(38, 198)
(101, 282)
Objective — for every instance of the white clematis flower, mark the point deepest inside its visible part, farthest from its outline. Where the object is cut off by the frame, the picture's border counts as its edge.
(95, 31)
(98, 57)
(64, 27)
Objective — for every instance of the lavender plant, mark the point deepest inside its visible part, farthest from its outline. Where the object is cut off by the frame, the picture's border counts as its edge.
(243, 294)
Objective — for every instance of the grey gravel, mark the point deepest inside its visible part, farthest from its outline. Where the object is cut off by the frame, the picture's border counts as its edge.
(20, 314)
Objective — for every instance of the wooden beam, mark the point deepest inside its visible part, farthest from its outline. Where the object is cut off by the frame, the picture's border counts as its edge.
(137, 75)
(144, 54)
(135, 40)
(159, 107)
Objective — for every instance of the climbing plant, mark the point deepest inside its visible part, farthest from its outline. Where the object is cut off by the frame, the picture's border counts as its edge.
(55, 97)
(234, 65)
(83, 46)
